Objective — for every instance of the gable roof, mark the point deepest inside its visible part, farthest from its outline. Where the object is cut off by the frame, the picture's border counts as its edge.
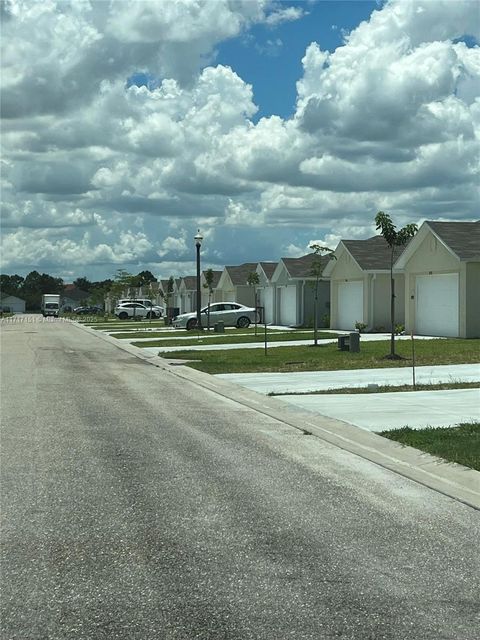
(372, 254)
(268, 268)
(239, 274)
(302, 267)
(462, 238)
(216, 277)
(7, 296)
(190, 282)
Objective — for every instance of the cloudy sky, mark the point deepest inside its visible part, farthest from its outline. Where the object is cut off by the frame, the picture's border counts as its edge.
(127, 125)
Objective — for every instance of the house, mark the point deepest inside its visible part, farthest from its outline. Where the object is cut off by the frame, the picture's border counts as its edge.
(73, 297)
(266, 290)
(360, 285)
(12, 304)
(294, 285)
(216, 293)
(233, 287)
(187, 294)
(442, 280)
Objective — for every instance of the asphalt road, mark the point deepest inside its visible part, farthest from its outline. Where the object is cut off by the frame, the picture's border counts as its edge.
(136, 505)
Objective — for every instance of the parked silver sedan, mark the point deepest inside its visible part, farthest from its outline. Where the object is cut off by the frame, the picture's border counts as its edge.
(231, 314)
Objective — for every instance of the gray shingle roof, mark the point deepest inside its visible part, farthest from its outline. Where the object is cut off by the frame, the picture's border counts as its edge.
(269, 268)
(463, 238)
(216, 277)
(302, 267)
(190, 282)
(239, 274)
(372, 254)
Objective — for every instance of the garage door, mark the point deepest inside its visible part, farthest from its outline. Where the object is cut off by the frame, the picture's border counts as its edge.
(288, 305)
(350, 304)
(436, 305)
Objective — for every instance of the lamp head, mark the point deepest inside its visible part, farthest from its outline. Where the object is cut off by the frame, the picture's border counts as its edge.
(198, 238)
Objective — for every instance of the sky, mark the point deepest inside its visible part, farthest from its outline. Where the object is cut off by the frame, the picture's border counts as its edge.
(127, 126)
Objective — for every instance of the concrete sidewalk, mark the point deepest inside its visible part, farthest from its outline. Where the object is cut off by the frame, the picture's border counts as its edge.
(368, 337)
(304, 381)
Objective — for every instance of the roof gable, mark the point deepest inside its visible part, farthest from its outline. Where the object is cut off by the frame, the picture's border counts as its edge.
(268, 268)
(302, 267)
(462, 238)
(215, 279)
(239, 274)
(372, 254)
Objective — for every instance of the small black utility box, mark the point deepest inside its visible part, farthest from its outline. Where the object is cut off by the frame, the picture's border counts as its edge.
(350, 342)
(219, 327)
(354, 342)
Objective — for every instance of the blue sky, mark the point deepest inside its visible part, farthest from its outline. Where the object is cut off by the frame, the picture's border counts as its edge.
(269, 58)
(127, 126)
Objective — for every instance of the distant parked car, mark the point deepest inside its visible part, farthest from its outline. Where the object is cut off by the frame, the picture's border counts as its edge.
(134, 310)
(159, 310)
(87, 311)
(232, 314)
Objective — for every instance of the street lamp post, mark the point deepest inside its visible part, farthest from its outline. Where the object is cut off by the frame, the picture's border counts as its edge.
(198, 243)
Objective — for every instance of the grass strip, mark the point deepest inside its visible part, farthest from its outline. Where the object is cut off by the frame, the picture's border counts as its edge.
(460, 444)
(329, 358)
(387, 388)
(229, 339)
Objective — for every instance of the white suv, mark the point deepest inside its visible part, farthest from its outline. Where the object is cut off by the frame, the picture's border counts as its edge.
(157, 309)
(134, 310)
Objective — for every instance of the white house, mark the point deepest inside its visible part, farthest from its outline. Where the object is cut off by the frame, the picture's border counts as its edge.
(233, 287)
(294, 284)
(12, 304)
(266, 290)
(442, 280)
(360, 285)
(216, 293)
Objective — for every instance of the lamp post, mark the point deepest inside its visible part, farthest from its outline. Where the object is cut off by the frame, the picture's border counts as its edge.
(198, 243)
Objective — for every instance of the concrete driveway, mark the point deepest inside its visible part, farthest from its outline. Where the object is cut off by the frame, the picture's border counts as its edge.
(376, 411)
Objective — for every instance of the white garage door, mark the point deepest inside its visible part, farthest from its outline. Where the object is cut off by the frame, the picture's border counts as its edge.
(350, 304)
(288, 305)
(265, 296)
(436, 305)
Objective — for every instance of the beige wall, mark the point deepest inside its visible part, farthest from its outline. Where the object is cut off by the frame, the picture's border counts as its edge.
(380, 296)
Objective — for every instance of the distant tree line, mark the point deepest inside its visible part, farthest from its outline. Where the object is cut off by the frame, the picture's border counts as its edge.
(31, 287)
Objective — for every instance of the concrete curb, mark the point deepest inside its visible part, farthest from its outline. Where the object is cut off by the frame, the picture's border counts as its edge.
(453, 480)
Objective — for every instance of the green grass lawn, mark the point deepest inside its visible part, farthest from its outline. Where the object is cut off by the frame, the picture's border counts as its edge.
(459, 444)
(233, 338)
(330, 358)
(382, 389)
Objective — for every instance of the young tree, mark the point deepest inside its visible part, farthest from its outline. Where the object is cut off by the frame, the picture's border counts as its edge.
(209, 285)
(394, 239)
(316, 270)
(167, 296)
(253, 280)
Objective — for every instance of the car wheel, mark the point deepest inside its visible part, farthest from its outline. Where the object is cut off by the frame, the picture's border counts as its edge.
(123, 315)
(191, 324)
(243, 322)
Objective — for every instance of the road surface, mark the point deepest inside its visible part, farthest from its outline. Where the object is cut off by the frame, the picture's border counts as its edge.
(136, 505)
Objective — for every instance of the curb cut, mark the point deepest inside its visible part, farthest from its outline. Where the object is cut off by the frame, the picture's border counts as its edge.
(452, 480)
